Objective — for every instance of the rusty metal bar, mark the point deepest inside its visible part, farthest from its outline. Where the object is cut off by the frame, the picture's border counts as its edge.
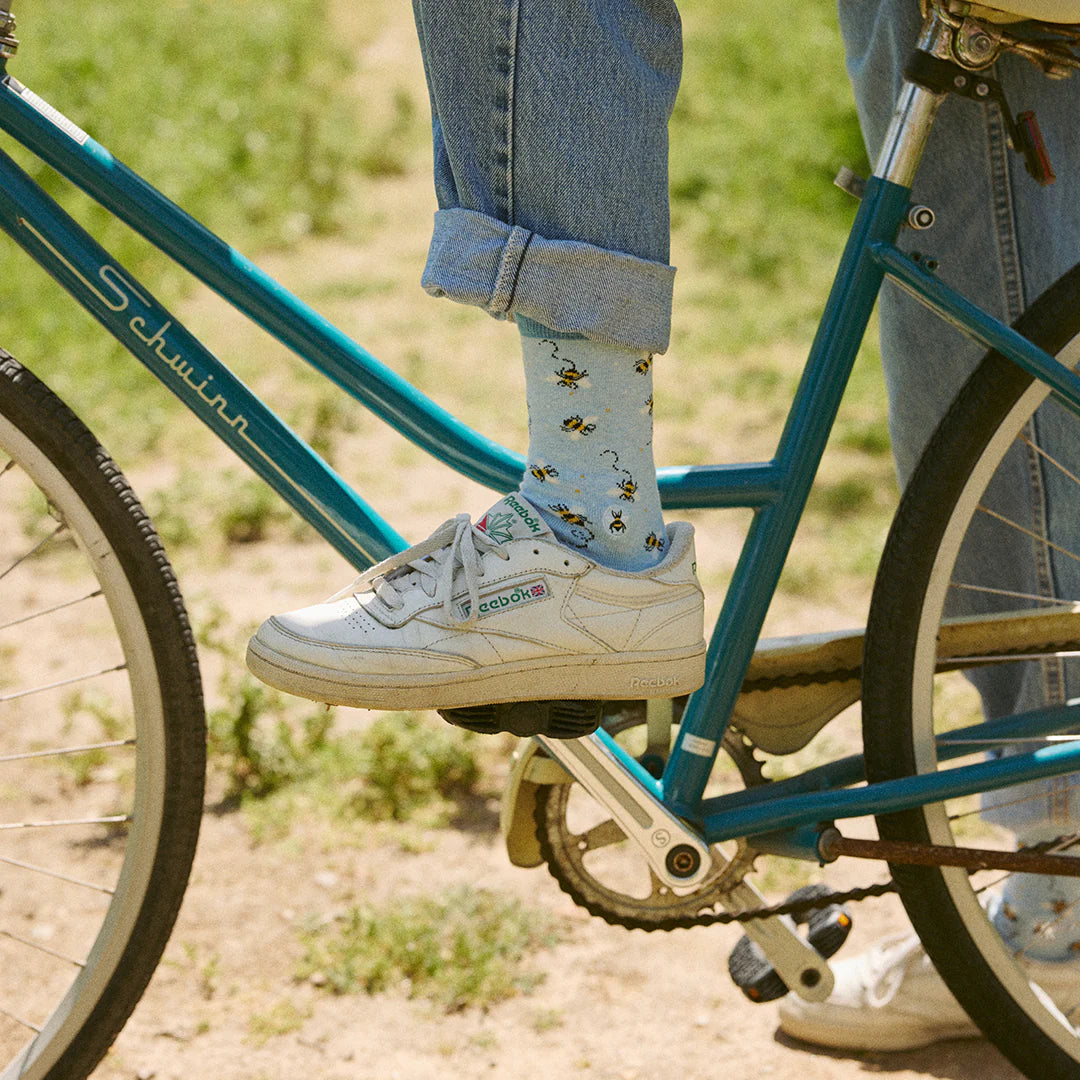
(832, 845)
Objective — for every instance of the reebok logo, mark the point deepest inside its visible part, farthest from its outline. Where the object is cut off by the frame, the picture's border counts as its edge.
(511, 597)
(523, 513)
(654, 684)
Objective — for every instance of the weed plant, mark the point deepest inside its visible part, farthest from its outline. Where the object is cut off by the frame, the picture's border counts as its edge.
(404, 763)
(468, 948)
(402, 767)
(252, 740)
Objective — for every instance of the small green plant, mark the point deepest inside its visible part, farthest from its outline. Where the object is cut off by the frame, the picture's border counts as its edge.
(249, 510)
(468, 948)
(172, 509)
(404, 764)
(97, 707)
(843, 498)
(281, 1019)
(547, 1020)
(260, 750)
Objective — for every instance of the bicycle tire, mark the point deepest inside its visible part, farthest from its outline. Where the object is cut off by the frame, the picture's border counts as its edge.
(948, 500)
(71, 980)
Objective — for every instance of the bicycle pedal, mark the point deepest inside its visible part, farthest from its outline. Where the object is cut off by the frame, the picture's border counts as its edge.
(827, 929)
(555, 719)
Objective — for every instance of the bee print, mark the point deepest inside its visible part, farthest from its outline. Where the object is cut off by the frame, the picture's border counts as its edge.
(580, 532)
(579, 426)
(648, 406)
(654, 542)
(642, 365)
(566, 374)
(541, 473)
(568, 515)
(626, 489)
(569, 376)
(616, 524)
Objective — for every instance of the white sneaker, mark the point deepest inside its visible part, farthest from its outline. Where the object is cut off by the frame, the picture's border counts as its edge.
(491, 612)
(891, 997)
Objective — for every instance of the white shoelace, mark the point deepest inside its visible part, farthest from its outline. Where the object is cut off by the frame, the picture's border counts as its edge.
(889, 961)
(432, 566)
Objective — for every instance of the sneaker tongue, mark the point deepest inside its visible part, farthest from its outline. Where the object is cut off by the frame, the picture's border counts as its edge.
(513, 517)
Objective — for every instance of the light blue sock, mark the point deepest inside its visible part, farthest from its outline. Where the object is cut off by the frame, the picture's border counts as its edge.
(590, 468)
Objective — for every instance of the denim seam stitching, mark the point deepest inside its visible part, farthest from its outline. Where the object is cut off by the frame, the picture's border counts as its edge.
(506, 275)
(1013, 281)
(517, 272)
(511, 99)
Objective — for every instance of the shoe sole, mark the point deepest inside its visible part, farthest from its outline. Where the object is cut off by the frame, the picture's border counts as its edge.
(887, 1038)
(623, 677)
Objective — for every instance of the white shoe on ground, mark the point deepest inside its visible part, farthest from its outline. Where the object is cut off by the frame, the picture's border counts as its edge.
(891, 997)
(489, 612)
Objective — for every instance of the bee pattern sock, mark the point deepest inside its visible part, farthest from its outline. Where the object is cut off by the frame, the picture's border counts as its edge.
(590, 469)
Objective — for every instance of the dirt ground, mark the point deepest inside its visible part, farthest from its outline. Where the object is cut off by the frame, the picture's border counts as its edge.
(613, 1004)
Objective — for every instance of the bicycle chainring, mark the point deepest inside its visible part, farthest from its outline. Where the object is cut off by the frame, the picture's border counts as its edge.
(591, 859)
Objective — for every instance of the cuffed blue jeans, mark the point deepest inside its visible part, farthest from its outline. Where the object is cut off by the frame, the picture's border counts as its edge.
(550, 133)
(549, 120)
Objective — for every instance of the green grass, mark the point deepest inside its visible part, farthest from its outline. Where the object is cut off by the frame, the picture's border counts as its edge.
(234, 109)
(763, 122)
(468, 948)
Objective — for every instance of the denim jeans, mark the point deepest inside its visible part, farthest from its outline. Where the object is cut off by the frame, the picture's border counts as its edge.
(1000, 239)
(549, 120)
(550, 133)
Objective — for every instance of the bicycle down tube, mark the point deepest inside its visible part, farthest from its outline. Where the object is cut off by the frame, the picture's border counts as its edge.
(776, 490)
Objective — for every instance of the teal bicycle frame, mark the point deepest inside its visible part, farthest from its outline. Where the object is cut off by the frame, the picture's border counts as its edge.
(776, 490)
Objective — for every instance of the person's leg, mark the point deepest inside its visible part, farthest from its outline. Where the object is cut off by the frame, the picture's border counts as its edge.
(1000, 239)
(549, 124)
(550, 132)
(549, 120)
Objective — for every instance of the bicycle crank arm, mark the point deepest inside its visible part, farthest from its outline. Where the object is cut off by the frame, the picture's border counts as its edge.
(832, 844)
(678, 856)
(804, 970)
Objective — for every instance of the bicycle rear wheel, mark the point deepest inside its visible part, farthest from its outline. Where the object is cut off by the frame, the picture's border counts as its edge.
(102, 741)
(974, 614)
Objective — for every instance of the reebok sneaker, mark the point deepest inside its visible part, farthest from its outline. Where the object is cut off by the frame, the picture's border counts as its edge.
(489, 612)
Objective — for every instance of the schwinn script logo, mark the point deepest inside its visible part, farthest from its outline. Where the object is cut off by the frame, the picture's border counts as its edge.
(504, 599)
(117, 297)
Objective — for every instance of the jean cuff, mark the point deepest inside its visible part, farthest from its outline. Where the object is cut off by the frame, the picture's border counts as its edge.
(576, 288)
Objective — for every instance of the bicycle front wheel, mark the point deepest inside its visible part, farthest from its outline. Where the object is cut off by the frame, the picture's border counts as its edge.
(102, 741)
(975, 616)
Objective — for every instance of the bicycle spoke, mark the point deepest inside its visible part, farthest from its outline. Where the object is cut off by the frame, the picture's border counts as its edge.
(1048, 457)
(61, 823)
(41, 948)
(944, 740)
(37, 547)
(49, 611)
(997, 806)
(67, 750)
(1012, 658)
(19, 1020)
(1029, 532)
(62, 682)
(56, 874)
(1012, 594)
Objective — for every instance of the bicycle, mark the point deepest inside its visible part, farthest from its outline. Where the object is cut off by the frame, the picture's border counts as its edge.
(647, 767)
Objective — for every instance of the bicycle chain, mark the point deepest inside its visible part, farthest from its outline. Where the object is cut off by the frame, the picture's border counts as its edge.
(741, 749)
(743, 860)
